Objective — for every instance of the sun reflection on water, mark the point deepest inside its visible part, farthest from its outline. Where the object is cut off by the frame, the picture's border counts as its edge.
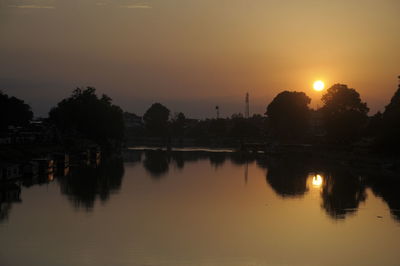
(317, 181)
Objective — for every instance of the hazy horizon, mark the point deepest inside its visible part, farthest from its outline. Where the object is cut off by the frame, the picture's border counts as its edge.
(193, 55)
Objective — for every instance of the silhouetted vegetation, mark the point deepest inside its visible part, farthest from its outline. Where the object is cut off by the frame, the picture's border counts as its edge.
(341, 124)
(344, 114)
(388, 135)
(288, 115)
(13, 112)
(178, 125)
(156, 120)
(86, 115)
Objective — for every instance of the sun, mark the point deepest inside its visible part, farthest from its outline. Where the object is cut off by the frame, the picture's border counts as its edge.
(319, 85)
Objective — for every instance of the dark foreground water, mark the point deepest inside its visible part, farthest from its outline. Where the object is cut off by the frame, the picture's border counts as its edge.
(198, 208)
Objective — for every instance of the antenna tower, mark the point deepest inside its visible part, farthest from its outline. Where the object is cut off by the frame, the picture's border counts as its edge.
(247, 108)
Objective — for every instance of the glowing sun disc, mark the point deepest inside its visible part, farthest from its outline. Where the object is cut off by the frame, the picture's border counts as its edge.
(319, 85)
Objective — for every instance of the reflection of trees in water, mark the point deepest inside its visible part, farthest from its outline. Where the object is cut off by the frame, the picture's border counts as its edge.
(156, 163)
(85, 185)
(179, 159)
(217, 159)
(132, 156)
(261, 162)
(287, 177)
(240, 158)
(5, 208)
(342, 193)
(9, 194)
(389, 190)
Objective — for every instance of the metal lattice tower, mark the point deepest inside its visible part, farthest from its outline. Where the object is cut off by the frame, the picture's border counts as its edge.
(247, 108)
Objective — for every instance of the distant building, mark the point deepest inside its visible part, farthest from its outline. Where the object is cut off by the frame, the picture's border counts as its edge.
(37, 132)
(133, 121)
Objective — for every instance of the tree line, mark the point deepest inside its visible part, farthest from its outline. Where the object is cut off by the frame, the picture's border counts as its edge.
(342, 120)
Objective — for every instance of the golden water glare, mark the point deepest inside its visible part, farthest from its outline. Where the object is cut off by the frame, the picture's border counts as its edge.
(317, 181)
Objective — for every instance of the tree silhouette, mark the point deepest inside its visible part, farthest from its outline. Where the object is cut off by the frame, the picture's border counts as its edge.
(344, 113)
(86, 115)
(388, 139)
(156, 120)
(13, 112)
(178, 125)
(246, 128)
(374, 126)
(288, 114)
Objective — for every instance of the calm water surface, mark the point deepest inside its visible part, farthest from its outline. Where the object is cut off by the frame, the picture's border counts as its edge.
(200, 208)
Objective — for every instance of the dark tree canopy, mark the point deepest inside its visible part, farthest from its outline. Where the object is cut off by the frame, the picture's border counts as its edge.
(156, 120)
(374, 126)
(178, 124)
(13, 112)
(247, 128)
(388, 139)
(288, 114)
(89, 116)
(344, 113)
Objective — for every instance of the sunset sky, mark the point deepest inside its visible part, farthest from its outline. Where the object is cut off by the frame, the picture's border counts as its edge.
(194, 54)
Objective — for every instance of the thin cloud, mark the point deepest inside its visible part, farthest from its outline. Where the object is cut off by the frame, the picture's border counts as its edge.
(140, 6)
(32, 6)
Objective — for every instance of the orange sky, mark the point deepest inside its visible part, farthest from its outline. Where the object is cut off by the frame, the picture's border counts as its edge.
(192, 55)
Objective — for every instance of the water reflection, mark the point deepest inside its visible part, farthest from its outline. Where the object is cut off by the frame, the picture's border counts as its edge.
(317, 181)
(341, 190)
(217, 159)
(388, 189)
(342, 193)
(9, 194)
(84, 185)
(288, 178)
(157, 163)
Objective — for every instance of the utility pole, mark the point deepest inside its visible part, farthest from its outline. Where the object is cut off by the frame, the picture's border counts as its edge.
(247, 106)
(217, 108)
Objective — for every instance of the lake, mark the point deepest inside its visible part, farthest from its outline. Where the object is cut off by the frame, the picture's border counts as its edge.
(204, 208)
